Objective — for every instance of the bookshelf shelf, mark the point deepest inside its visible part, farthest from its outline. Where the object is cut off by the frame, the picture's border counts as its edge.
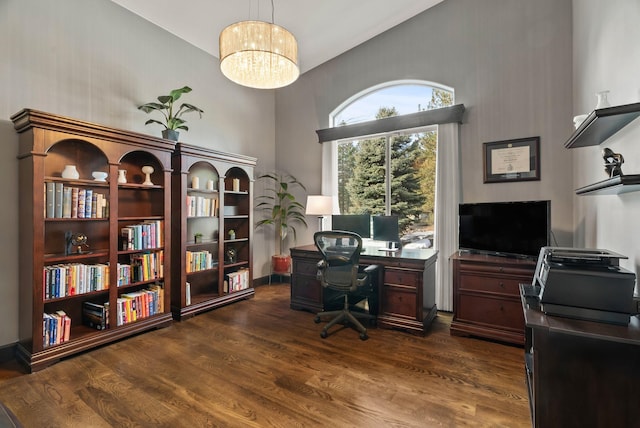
(78, 182)
(137, 186)
(51, 258)
(76, 296)
(202, 290)
(235, 265)
(69, 220)
(141, 251)
(55, 287)
(203, 271)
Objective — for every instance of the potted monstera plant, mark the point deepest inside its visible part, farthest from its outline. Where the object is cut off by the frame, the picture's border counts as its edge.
(172, 114)
(281, 209)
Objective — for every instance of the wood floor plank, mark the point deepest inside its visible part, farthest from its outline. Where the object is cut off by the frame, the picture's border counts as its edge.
(257, 363)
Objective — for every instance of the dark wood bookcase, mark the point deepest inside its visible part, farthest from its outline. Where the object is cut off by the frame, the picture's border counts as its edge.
(205, 203)
(90, 273)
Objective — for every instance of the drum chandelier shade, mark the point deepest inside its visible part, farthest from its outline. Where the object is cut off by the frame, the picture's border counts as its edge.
(259, 55)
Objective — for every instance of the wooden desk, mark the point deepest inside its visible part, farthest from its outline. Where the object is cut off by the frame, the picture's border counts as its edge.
(580, 373)
(407, 295)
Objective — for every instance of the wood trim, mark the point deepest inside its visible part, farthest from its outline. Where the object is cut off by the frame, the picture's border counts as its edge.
(8, 352)
(443, 115)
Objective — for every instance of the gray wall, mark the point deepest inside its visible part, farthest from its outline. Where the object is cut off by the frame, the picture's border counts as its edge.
(510, 64)
(607, 57)
(96, 61)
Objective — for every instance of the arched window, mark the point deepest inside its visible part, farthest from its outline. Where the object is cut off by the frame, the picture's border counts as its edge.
(406, 165)
(392, 173)
(405, 96)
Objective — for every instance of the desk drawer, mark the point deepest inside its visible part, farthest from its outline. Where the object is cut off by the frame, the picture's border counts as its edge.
(305, 266)
(402, 277)
(506, 314)
(306, 288)
(492, 284)
(496, 269)
(399, 301)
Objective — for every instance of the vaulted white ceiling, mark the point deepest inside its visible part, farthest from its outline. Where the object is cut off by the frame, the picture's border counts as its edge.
(324, 28)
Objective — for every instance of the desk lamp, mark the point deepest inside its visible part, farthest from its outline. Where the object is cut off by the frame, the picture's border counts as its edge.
(319, 205)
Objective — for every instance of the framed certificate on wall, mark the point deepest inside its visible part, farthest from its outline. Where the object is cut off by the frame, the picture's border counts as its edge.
(512, 160)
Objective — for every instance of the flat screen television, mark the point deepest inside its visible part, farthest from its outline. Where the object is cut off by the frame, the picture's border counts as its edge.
(516, 229)
(357, 223)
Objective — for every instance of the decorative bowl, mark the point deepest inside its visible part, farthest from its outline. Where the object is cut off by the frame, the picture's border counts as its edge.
(577, 120)
(99, 175)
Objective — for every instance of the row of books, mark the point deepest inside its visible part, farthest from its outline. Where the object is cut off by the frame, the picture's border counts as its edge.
(74, 278)
(140, 304)
(142, 236)
(199, 206)
(200, 260)
(147, 266)
(56, 328)
(95, 315)
(143, 267)
(73, 202)
(236, 281)
(130, 307)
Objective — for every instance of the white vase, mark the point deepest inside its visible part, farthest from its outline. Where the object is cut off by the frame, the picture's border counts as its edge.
(122, 176)
(147, 170)
(602, 100)
(70, 172)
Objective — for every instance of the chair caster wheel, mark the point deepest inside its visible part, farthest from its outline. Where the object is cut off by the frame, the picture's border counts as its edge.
(363, 336)
(316, 320)
(323, 334)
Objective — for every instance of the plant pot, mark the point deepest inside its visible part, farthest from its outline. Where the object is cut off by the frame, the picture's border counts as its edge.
(170, 134)
(281, 263)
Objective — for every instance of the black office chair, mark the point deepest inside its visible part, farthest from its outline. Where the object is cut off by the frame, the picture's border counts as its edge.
(339, 270)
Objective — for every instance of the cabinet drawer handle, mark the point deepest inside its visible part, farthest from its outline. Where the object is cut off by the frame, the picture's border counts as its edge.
(502, 285)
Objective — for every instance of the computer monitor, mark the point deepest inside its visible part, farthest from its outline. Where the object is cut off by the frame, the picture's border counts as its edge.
(386, 228)
(357, 223)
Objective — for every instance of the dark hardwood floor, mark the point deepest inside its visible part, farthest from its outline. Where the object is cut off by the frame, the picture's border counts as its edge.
(257, 363)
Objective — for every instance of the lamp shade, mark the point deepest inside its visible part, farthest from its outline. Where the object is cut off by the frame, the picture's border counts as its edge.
(259, 55)
(319, 205)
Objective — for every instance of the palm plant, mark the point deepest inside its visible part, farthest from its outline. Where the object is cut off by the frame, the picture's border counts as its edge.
(280, 206)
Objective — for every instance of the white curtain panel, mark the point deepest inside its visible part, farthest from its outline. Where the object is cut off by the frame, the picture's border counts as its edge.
(447, 200)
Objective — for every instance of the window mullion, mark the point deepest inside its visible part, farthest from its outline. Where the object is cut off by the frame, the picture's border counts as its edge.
(387, 173)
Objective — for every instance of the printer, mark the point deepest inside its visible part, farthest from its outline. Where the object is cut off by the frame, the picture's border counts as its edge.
(585, 284)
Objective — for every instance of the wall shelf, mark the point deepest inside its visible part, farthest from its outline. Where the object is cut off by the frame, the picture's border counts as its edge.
(602, 124)
(612, 186)
(597, 128)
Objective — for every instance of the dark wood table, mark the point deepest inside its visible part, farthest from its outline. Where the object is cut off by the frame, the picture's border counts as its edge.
(580, 373)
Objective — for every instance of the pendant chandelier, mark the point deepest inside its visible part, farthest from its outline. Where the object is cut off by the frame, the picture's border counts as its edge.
(259, 54)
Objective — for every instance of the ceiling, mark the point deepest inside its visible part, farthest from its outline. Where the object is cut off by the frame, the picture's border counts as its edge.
(324, 28)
